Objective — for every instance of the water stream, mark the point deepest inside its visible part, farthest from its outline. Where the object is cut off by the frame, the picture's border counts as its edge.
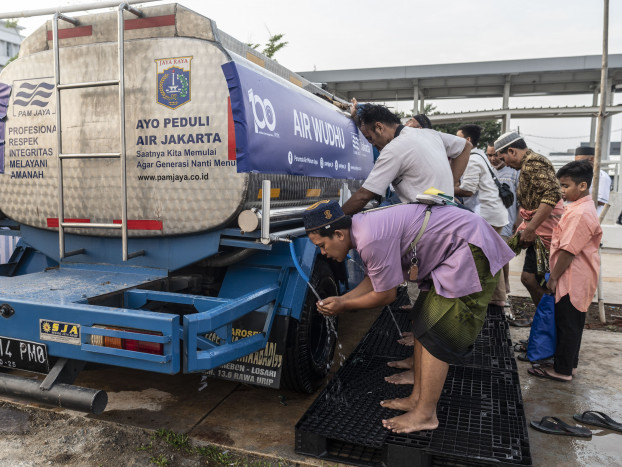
(399, 331)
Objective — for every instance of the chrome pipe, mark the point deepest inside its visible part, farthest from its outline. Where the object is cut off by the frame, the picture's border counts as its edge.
(89, 84)
(59, 137)
(88, 225)
(283, 235)
(103, 155)
(121, 56)
(265, 209)
(249, 220)
(68, 9)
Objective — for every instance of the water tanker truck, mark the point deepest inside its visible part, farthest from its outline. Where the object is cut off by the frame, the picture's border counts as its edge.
(155, 170)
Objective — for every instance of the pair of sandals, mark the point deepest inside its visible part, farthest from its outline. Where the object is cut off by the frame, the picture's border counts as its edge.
(555, 426)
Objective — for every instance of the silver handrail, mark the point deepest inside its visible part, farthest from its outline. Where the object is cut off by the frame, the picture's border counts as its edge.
(122, 155)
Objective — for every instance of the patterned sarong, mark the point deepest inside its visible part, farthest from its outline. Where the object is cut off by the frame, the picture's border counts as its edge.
(448, 327)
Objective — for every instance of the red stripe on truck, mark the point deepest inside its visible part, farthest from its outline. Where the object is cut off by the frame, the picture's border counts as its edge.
(154, 22)
(141, 224)
(230, 131)
(53, 221)
(140, 23)
(68, 33)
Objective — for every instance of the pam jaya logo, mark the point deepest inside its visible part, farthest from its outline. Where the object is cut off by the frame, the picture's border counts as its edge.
(263, 112)
(33, 94)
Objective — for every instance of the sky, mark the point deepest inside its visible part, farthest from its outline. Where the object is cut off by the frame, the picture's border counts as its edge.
(341, 34)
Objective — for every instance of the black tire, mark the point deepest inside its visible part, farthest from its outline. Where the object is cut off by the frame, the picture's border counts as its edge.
(310, 342)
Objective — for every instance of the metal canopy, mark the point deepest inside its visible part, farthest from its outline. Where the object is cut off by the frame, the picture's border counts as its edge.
(527, 112)
(532, 77)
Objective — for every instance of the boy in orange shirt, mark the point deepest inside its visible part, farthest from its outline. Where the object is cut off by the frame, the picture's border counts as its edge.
(574, 268)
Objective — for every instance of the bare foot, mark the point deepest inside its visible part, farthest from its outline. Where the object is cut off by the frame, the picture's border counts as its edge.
(405, 364)
(405, 404)
(411, 421)
(407, 339)
(551, 372)
(405, 377)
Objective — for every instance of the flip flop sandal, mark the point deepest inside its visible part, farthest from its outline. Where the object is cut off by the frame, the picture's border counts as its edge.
(524, 341)
(592, 417)
(554, 426)
(542, 364)
(520, 347)
(523, 358)
(540, 373)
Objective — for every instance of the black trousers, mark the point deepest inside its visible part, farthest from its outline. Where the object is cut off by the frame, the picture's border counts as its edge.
(569, 324)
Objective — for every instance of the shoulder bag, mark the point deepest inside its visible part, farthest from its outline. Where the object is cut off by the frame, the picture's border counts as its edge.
(505, 193)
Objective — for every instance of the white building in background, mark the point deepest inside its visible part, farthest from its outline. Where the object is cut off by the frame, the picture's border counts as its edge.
(10, 40)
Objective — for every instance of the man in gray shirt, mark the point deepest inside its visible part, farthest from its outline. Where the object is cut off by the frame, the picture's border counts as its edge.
(412, 160)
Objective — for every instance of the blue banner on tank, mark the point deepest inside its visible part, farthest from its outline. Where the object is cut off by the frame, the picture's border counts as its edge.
(281, 129)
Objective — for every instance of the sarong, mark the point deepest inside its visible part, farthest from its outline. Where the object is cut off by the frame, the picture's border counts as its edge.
(448, 327)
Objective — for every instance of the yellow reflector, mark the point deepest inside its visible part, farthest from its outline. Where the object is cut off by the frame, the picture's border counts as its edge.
(255, 59)
(295, 80)
(314, 192)
(274, 193)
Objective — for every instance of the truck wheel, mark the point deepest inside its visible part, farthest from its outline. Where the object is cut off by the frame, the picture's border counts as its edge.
(310, 342)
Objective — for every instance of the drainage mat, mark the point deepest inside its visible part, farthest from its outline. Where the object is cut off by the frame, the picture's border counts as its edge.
(480, 411)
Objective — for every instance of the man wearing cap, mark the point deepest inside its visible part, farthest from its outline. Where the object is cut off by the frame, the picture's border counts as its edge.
(509, 176)
(604, 187)
(412, 160)
(454, 256)
(540, 199)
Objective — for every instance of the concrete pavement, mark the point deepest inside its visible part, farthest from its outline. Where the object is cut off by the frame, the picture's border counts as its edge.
(611, 261)
(597, 386)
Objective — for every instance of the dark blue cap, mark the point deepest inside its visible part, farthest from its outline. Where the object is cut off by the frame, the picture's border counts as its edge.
(584, 151)
(322, 214)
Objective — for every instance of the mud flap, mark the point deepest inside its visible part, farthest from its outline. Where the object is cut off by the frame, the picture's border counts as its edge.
(261, 368)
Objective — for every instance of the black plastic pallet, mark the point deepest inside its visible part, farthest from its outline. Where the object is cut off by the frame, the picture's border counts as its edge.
(495, 313)
(480, 411)
(354, 395)
(400, 300)
(488, 356)
(483, 383)
(492, 348)
(344, 423)
(494, 336)
(381, 340)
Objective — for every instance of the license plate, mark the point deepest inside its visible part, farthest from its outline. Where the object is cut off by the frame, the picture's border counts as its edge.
(23, 355)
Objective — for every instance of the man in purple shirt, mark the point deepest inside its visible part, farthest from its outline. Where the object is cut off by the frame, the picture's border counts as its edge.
(457, 256)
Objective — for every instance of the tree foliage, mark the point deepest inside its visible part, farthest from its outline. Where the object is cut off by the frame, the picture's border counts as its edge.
(274, 44)
(10, 23)
(491, 129)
